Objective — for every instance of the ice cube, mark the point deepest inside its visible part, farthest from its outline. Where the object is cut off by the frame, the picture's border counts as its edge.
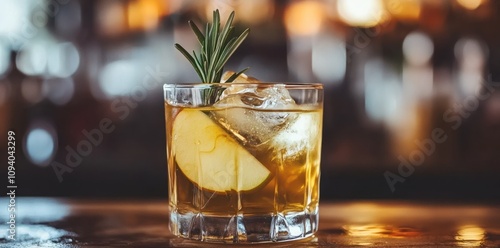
(254, 113)
(242, 78)
(297, 138)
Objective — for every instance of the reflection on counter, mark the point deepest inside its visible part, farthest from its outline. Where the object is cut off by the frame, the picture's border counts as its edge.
(49, 222)
(31, 222)
(379, 231)
(470, 236)
(379, 223)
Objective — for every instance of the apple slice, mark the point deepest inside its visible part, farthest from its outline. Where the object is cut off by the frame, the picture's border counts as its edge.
(212, 159)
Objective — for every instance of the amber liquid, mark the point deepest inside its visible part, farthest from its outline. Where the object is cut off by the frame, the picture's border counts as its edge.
(292, 188)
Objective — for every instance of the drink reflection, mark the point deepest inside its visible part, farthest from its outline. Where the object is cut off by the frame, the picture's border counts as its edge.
(378, 223)
(381, 231)
(470, 235)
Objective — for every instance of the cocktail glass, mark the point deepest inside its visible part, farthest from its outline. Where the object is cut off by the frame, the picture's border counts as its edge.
(243, 160)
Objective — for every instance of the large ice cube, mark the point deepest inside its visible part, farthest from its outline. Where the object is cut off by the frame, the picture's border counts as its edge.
(254, 113)
(299, 137)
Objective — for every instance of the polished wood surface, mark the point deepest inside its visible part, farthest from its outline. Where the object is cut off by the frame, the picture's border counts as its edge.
(50, 222)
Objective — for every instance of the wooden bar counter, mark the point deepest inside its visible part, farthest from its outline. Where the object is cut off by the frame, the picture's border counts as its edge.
(54, 222)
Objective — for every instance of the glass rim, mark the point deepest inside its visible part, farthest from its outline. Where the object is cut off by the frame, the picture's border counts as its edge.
(289, 85)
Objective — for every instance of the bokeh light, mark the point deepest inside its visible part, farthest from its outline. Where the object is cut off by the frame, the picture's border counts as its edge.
(12, 16)
(255, 11)
(329, 58)
(224, 6)
(64, 59)
(32, 59)
(143, 14)
(418, 74)
(304, 17)
(471, 56)
(471, 53)
(382, 92)
(470, 4)
(363, 13)
(418, 48)
(40, 144)
(58, 90)
(299, 57)
(111, 17)
(118, 77)
(404, 9)
(48, 58)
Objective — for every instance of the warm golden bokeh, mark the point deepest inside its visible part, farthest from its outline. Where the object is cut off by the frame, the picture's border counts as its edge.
(408, 10)
(470, 4)
(470, 235)
(143, 14)
(304, 17)
(363, 13)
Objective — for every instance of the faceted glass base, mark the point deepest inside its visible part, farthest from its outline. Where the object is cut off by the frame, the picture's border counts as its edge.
(244, 228)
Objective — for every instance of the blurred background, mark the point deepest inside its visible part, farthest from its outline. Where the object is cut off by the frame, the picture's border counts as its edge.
(412, 101)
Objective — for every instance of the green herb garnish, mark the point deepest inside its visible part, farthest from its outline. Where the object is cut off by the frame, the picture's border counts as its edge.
(216, 49)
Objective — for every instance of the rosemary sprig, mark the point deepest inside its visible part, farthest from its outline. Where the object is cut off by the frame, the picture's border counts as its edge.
(216, 49)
